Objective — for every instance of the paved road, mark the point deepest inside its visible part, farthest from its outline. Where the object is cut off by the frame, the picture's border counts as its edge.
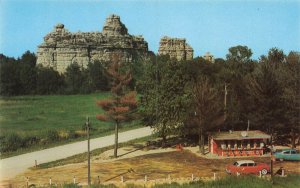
(12, 166)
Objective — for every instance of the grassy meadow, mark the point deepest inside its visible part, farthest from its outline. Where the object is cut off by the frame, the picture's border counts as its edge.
(36, 113)
(50, 119)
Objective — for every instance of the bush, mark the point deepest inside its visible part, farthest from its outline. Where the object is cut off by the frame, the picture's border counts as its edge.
(72, 134)
(29, 140)
(52, 135)
(11, 142)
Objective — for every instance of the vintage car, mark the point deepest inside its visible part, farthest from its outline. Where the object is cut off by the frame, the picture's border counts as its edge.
(247, 167)
(287, 155)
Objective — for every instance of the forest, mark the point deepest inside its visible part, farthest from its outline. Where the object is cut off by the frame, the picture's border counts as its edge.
(184, 97)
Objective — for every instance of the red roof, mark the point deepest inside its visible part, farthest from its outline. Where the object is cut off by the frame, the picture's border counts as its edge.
(240, 135)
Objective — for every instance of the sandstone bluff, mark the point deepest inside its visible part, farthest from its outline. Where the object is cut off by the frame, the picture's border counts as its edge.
(62, 48)
(175, 48)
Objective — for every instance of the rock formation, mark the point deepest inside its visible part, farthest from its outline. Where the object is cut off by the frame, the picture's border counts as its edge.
(175, 48)
(209, 57)
(61, 47)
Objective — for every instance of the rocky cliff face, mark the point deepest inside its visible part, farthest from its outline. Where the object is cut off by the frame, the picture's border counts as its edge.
(175, 48)
(61, 47)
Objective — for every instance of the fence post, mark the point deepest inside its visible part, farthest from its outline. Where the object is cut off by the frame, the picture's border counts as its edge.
(282, 172)
(260, 173)
(35, 163)
(122, 179)
(27, 182)
(145, 178)
(98, 180)
(50, 181)
(74, 180)
(214, 176)
(192, 177)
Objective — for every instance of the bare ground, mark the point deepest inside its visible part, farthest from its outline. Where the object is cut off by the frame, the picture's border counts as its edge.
(154, 163)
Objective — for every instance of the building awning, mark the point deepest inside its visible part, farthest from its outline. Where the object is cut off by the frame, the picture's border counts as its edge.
(240, 135)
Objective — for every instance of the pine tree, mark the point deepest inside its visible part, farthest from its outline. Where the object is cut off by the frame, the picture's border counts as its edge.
(120, 106)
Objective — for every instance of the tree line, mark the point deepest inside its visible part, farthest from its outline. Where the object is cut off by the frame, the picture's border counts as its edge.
(182, 98)
(196, 97)
(23, 77)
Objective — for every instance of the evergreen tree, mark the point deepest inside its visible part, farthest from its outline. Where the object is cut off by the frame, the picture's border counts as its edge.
(265, 98)
(49, 81)
(9, 78)
(120, 106)
(98, 79)
(290, 82)
(76, 79)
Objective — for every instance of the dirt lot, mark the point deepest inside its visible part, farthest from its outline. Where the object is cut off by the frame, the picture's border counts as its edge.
(177, 164)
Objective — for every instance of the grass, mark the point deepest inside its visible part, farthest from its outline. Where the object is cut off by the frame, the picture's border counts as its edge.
(291, 181)
(35, 115)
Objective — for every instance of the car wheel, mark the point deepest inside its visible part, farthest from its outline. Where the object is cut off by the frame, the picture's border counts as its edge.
(281, 159)
(264, 171)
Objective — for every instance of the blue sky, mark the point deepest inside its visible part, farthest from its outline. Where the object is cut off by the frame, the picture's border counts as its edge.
(212, 26)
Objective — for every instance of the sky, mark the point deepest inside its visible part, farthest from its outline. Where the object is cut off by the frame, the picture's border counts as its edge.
(208, 26)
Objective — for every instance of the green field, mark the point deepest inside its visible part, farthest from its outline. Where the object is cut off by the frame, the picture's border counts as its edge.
(36, 113)
(30, 116)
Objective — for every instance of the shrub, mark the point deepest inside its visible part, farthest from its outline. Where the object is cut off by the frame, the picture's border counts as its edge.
(72, 134)
(11, 142)
(29, 140)
(52, 135)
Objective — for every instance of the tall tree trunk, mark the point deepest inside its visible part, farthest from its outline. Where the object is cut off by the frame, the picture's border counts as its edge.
(116, 139)
(201, 140)
(293, 138)
(163, 135)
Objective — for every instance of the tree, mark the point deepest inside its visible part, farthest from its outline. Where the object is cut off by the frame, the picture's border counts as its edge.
(28, 78)
(239, 54)
(9, 78)
(76, 79)
(276, 56)
(237, 66)
(49, 81)
(290, 82)
(119, 107)
(28, 73)
(28, 58)
(206, 107)
(164, 98)
(265, 101)
(98, 79)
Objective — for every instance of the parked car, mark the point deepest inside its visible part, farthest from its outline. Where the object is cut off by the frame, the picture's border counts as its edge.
(288, 155)
(247, 167)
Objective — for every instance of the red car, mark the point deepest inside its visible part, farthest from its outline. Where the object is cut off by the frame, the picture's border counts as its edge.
(247, 167)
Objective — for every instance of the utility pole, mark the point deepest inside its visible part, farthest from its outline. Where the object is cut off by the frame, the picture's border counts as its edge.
(271, 167)
(225, 101)
(88, 153)
(248, 125)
